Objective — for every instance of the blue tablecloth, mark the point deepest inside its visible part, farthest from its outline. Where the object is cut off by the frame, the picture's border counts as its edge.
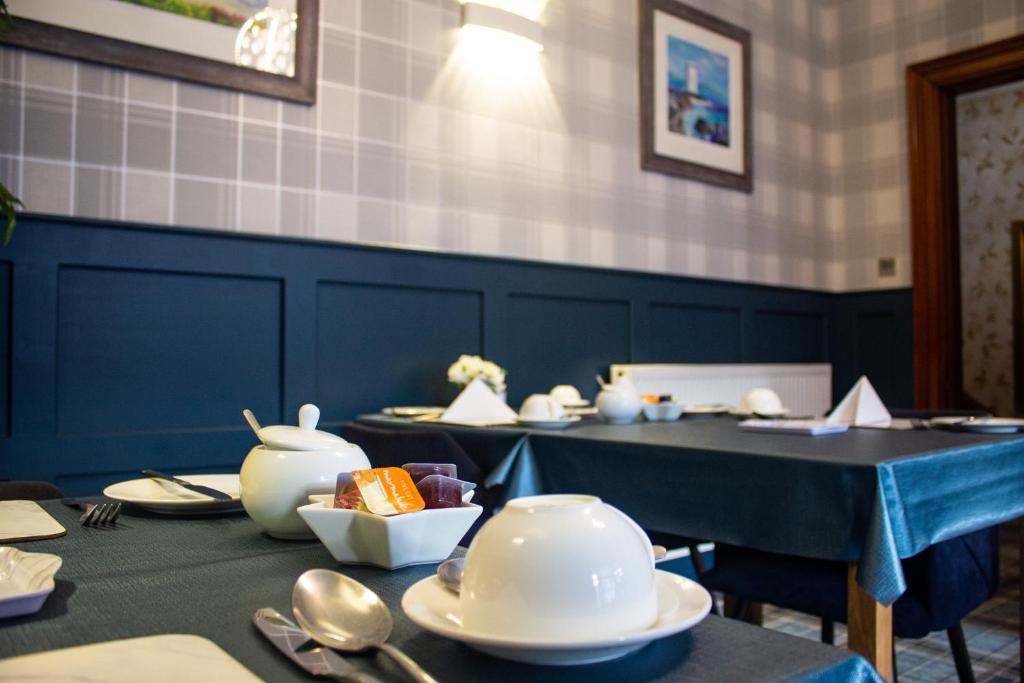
(207, 576)
(869, 495)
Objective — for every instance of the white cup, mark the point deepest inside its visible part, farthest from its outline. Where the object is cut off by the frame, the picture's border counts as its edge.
(567, 395)
(541, 407)
(558, 567)
(761, 401)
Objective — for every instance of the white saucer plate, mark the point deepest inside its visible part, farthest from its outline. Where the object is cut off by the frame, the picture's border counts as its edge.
(985, 425)
(582, 403)
(413, 411)
(168, 498)
(560, 423)
(682, 604)
(26, 580)
(713, 409)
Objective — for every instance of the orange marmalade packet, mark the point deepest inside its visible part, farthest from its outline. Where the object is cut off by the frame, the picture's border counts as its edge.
(388, 491)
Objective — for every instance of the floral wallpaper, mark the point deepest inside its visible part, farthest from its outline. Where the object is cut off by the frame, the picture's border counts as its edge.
(990, 149)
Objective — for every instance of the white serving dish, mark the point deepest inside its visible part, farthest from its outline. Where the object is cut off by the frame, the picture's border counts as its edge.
(681, 604)
(662, 412)
(26, 580)
(165, 497)
(355, 537)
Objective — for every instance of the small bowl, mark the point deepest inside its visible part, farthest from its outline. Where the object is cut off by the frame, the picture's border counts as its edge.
(550, 565)
(356, 537)
(662, 412)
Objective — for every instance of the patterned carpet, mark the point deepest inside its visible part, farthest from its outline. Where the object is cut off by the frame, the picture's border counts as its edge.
(992, 633)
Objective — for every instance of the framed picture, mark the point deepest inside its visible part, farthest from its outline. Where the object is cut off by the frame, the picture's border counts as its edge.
(694, 95)
(267, 47)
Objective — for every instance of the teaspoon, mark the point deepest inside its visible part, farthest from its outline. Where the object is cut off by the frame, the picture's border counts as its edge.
(341, 613)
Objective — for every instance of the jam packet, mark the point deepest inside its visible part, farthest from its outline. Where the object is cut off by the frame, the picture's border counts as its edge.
(419, 470)
(439, 491)
(388, 491)
(347, 495)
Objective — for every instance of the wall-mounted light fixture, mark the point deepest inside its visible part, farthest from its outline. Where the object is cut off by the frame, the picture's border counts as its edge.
(499, 22)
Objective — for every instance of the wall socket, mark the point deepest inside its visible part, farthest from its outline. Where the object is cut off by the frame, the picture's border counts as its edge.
(886, 266)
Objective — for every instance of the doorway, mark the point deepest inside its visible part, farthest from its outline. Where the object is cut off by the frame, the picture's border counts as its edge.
(932, 88)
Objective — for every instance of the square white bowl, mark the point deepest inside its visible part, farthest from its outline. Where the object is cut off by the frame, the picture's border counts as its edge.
(355, 537)
(662, 412)
(26, 580)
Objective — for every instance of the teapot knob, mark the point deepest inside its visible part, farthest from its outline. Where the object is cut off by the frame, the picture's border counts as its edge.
(309, 415)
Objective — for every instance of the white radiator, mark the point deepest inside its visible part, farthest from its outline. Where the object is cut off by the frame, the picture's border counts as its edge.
(805, 388)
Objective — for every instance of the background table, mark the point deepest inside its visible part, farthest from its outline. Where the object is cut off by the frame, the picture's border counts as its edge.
(868, 496)
(207, 576)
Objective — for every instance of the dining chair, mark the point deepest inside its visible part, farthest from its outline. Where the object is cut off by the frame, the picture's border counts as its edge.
(945, 582)
(29, 490)
(396, 447)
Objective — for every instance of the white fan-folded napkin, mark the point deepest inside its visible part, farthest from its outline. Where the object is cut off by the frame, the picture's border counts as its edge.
(861, 407)
(478, 406)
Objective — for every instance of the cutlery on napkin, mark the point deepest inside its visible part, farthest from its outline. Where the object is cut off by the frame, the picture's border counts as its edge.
(291, 641)
(861, 407)
(478, 406)
(204, 490)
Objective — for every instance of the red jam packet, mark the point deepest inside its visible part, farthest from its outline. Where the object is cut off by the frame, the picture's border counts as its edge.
(388, 491)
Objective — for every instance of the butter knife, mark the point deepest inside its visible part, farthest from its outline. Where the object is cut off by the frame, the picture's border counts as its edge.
(318, 661)
(205, 490)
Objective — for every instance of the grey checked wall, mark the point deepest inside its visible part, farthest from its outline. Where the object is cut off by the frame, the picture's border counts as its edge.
(394, 152)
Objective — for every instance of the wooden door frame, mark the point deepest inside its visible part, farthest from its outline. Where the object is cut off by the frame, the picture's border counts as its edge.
(932, 88)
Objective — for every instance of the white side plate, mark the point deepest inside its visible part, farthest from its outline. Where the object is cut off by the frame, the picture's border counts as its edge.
(169, 498)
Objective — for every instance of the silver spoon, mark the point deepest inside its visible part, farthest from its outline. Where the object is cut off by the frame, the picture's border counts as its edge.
(343, 614)
(449, 572)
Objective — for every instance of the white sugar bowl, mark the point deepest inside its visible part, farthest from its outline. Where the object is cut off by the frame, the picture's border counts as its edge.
(548, 566)
(292, 464)
(619, 403)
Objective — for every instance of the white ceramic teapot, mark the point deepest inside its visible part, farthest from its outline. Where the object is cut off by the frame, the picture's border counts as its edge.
(619, 402)
(292, 464)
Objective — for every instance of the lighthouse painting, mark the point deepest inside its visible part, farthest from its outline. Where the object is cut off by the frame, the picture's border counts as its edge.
(698, 97)
(695, 95)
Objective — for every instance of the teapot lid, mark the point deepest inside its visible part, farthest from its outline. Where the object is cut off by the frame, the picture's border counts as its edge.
(305, 437)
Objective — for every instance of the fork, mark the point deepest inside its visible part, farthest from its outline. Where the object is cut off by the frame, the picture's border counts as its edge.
(101, 514)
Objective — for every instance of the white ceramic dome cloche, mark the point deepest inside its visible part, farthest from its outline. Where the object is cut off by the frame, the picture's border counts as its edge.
(292, 464)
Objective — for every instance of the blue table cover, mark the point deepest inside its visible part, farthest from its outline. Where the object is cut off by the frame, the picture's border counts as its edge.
(869, 495)
(158, 574)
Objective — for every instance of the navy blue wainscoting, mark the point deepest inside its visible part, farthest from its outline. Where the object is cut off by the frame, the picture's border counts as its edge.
(124, 346)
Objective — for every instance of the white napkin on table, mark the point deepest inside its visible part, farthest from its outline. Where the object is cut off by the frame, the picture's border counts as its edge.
(478, 406)
(861, 407)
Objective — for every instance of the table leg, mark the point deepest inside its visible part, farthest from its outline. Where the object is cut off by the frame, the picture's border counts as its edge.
(869, 626)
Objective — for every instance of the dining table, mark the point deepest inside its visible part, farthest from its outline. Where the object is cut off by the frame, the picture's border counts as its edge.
(151, 574)
(869, 496)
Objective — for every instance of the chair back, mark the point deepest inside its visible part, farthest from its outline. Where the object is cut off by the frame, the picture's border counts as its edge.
(29, 490)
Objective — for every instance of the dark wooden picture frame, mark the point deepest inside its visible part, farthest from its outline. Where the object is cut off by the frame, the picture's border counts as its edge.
(650, 159)
(68, 42)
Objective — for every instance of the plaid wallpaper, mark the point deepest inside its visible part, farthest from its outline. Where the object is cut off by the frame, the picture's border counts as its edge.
(866, 202)
(402, 150)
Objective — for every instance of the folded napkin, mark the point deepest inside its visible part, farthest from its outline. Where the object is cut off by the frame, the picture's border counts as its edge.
(478, 406)
(861, 407)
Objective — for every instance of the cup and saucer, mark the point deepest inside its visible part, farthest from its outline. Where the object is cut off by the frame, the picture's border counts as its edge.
(543, 411)
(531, 597)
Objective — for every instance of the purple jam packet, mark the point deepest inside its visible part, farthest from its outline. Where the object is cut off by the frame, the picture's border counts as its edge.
(419, 470)
(439, 491)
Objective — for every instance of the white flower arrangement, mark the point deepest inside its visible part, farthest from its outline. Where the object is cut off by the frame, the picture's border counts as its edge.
(467, 368)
